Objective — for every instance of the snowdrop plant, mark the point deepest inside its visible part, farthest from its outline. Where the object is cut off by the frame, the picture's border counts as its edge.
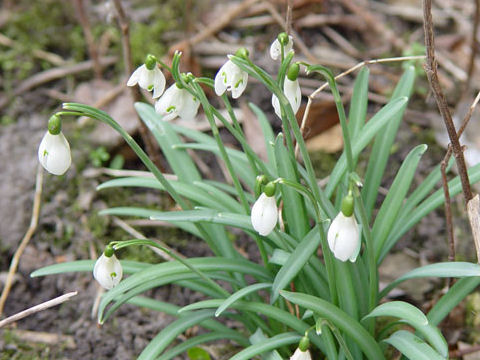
(149, 77)
(302, 299)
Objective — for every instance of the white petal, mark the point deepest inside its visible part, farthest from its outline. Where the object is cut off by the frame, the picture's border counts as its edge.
(145, 79)
(189, 107)
(168, 104)
(133, 80)
(293, 93)
(301, 355)
(220, 83)
(264, 214)
(54, 153)
(159, 82)
(108, 271)
(289, 45)
(344, 237)
(275, 49)
(276, 106)
(240, 84)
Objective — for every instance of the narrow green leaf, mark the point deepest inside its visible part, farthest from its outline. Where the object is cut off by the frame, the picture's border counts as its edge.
(196, 353)
(444, 269)
(178, 159)
(390, 208)
(358, 104)
(412, 346)
(240, 294)
(169, 333)
(402, 310)
(296, 219)
(258, 337)
(340, 319)
(371, 128)
(452, 298)
(129, 267)
(383, 142)
(269, 344)
(428, 205)
(238, 158)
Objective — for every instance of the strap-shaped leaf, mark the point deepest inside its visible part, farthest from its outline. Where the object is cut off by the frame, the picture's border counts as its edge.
(129, 267)
(428, 205)
(371, 128)
(340, 319)
(387, 215)
(297, 259)
(412, 346)
(239, 295)
(268, 344)
(358, 103)
(178, 159)
(169, 333)
(456, 269)
(383, 142)
(267, 131)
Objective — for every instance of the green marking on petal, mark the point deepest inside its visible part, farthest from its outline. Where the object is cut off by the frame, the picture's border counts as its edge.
(113, 274)
(238, 83)
(171, 108)
(150, 88)
(224, 75)
(45, 153)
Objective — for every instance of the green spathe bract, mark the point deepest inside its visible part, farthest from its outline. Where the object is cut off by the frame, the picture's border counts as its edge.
(299, 287)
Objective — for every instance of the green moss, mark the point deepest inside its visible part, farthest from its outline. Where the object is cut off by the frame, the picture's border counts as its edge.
(323, 163)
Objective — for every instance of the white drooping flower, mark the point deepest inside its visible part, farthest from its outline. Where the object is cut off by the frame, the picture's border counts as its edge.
(230, 78)
(276, 48)
(264, 214)
(293, 93)
(148, 79)
(344, 237)
(108, 271)
(177, 102)
(54, 153)
(301, 355)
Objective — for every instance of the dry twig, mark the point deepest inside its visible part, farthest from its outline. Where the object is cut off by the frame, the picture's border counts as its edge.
(136, 95)
(37, 308)
(28, 235)
(431, 70)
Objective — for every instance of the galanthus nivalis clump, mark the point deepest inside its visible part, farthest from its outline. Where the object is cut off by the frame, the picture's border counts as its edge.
(149, 77)
(231, 78)
(177, 102)
(302, 352)
(54, 150)
(264, 215)
(276, 47)
(344, 235)
(108, 270)
(291, 89)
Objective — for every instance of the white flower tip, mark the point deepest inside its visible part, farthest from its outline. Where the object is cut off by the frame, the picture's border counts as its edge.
(264, 215)
(108, 271)
(54, 153)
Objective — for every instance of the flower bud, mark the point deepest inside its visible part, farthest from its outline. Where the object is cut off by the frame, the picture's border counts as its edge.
(293, 71)
(344, 236)
(54, 151)
(108, 270)
(264, 214)
(150, 62)
(54, 125)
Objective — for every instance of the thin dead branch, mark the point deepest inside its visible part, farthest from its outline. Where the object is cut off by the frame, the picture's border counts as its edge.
(28, 235)
(431, 70)
(87, 31)
(473, 47)
(123, 23)
(37, 308)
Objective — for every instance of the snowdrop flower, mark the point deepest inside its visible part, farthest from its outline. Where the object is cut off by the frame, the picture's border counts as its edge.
(291, 89)
(177, 102)
(230, 78)
(344, 235)
(54, 150)
(276, 47)
(301, 355)
(302, 352)
(264, 215)
(108, 270)
(148, 76)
